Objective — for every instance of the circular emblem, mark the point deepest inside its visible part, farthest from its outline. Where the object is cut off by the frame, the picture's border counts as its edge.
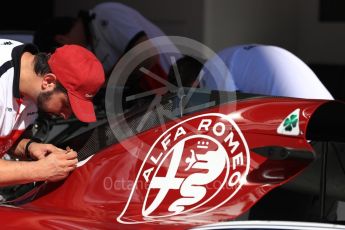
(194, 167)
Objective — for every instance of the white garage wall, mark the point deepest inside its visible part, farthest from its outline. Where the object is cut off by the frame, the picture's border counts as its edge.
(231, 22)
(292, 24)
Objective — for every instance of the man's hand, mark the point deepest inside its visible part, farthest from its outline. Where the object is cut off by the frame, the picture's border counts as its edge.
(55, 166)
(58, 164)
(39, 151)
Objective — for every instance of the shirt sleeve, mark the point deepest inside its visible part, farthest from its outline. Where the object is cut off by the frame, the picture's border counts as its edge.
(118, 23)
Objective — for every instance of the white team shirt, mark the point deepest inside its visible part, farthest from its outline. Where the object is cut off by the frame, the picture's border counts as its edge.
(16, 113)
(114, 26)
(263, 69)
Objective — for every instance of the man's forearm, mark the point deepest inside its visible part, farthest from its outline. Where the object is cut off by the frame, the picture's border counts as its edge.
(19, 172)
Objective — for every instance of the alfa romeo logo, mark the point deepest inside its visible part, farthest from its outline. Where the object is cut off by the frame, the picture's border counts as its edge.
(194, 162)
(200, 161)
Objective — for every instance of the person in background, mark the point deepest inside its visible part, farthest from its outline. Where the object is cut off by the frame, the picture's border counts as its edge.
(109, 30)
(256, 69)
(264, 69)
(59, 84)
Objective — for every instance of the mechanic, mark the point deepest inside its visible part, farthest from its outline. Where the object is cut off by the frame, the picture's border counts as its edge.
(265, 69)
(109, 30)
(59, 84)
(257, 69)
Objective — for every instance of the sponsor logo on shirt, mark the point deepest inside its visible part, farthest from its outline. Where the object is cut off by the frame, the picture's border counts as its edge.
(31, 113)
(249, 47)
(7, 43)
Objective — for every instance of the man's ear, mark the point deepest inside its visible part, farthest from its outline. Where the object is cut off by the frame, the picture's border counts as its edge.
(48, 82)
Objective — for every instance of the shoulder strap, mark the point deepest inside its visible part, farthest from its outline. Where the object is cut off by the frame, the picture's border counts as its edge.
(6, 66)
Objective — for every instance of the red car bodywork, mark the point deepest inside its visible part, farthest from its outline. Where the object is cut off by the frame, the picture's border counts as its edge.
(113, 189)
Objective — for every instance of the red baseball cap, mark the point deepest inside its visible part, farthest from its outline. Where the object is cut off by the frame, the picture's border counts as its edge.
(81, 74)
